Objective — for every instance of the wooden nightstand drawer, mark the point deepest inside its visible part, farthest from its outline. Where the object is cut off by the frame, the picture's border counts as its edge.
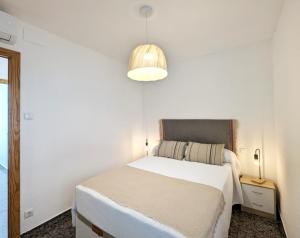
(259, 198)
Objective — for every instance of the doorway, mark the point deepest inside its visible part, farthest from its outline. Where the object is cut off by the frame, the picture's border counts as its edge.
(9, 144)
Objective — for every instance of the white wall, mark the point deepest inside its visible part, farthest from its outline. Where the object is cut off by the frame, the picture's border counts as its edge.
(233, 84)
(87, 117)
(287, 115)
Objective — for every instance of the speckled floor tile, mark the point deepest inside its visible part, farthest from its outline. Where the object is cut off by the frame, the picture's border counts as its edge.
(243, 225)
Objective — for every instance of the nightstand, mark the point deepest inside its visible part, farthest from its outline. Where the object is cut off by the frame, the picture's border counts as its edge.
(259, 199)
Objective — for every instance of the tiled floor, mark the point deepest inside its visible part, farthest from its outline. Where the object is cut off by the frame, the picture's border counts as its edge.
(243, 225)
(3, 202)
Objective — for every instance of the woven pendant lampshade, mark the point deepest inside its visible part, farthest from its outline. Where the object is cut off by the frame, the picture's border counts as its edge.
(147, 63)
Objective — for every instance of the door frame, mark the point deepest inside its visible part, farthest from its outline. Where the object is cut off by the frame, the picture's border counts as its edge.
(13, 141)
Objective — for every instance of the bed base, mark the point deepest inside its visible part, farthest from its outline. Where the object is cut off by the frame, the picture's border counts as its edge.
(85, 229)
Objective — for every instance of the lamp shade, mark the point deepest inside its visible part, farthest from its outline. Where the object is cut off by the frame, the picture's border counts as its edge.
(147, 63)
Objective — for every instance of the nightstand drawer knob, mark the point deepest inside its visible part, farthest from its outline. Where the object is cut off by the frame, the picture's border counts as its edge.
(258, 205)
(258, 193)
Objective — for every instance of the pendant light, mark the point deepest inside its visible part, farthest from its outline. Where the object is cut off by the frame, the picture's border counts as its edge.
(147, 61)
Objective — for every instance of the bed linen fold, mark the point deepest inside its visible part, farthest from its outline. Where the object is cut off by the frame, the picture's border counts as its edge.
(190, 208)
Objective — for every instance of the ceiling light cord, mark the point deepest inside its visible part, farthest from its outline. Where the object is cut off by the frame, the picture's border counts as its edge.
(146, 29)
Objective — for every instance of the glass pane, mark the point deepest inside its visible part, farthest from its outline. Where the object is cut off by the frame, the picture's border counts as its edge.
(3, 149)
(3, 68)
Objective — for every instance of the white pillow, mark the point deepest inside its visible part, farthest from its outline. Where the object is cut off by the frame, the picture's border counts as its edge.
(155, 150)
(230, 157)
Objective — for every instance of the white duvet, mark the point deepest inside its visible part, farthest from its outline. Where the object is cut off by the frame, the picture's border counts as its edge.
(124, 222)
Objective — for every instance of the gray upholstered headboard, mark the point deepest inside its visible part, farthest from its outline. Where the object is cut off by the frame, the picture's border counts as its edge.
(200, 130)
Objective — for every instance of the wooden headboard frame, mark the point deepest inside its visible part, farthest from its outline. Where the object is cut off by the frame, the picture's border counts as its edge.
(200, 130)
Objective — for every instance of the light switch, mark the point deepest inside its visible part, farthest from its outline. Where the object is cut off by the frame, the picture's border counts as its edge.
(242, 149)
(28, 116)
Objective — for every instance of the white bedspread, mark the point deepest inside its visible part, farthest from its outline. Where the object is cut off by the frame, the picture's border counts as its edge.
(126, 223)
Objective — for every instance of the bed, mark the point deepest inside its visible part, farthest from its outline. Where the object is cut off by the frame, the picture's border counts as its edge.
(99, 215)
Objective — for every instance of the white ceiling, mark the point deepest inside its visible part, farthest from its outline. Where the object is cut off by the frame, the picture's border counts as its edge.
(184, 29)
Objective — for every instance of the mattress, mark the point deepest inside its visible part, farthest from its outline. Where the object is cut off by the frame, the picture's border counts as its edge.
(122, 221)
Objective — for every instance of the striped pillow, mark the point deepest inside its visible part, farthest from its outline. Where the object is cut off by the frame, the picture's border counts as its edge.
(172, 149)
(205, 153)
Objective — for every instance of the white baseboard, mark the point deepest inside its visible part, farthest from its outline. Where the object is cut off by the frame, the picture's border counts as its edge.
(283, 224)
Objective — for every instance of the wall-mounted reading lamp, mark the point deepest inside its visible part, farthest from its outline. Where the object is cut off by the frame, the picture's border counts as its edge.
(147, 147)
(258, 180)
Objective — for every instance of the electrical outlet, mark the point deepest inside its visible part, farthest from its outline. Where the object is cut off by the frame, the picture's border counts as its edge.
(28, 213)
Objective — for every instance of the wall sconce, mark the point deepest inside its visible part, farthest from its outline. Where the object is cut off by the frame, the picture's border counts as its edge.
(147, 147)
(258, 180)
